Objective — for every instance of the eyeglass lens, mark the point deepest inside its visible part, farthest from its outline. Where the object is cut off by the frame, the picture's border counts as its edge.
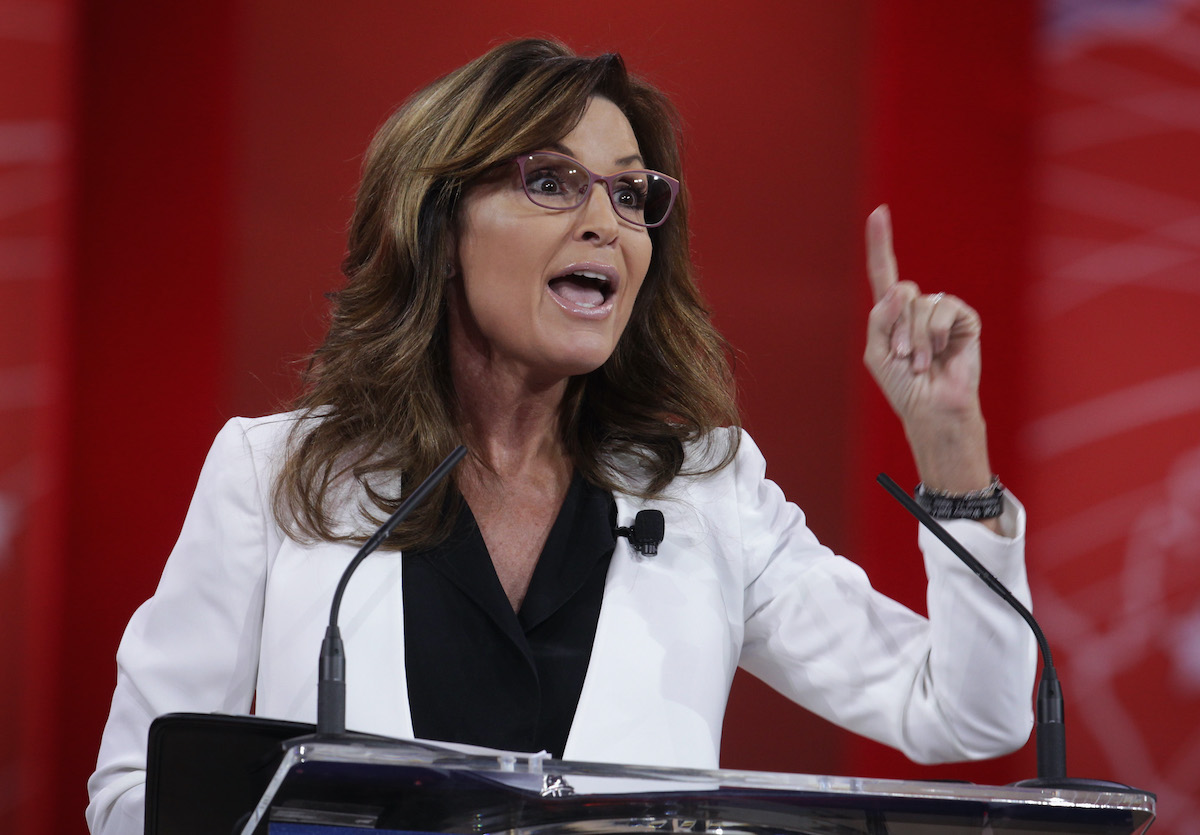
(555, 182)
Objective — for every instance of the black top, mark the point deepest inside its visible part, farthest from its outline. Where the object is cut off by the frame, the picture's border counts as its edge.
(482, 674)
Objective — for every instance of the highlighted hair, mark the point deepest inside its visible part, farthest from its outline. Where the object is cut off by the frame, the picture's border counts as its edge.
(379, 402)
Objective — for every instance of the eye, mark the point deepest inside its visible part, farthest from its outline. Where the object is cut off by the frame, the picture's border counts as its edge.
(553, 182)
(631, 190)
(544, 181)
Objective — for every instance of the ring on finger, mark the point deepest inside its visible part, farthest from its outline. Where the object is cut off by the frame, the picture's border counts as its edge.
(934, 299)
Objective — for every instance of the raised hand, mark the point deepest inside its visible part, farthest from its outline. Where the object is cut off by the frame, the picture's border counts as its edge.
(923, 351)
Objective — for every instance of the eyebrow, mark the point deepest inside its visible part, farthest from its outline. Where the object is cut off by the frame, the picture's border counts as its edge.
(629, 160)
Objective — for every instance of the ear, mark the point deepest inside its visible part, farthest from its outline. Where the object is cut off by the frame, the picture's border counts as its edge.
(453, 264)
(453, 238)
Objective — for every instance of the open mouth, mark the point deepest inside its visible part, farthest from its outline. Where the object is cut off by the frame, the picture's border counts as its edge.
(583, 289)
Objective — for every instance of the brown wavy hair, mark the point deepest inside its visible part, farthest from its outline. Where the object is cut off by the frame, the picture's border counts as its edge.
(378, 398)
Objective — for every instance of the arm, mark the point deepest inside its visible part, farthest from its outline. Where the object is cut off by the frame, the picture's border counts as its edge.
(952, 687)
(956, 686)
(924, 353)
(194, 645)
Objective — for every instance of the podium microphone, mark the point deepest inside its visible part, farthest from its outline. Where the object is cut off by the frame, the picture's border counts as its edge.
(1051, 738)
(331, 681)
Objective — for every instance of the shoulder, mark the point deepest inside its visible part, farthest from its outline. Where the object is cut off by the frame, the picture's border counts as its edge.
(714, 456)
(271, 432)
(713, 463)
(265, 439)
(739, 498)
(724, 454)
(247, 454)
(723, 505)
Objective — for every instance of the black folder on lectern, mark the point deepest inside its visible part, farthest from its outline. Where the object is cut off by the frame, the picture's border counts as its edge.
(219, 774)
(206, 771)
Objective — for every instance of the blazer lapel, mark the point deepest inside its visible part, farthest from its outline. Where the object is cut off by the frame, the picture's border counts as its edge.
(662, 658)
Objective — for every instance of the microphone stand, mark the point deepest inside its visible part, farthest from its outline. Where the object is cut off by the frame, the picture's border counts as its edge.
(1050, 732)
(331, 681)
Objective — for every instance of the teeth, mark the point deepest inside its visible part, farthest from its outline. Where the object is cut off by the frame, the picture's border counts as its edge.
(590, 274)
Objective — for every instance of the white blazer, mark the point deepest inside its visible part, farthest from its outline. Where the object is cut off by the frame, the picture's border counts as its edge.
(239, 614)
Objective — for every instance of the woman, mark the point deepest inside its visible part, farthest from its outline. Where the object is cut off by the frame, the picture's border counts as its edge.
(518, 281)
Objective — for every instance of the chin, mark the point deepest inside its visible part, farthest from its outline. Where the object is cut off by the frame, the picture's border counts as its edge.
(580, 353)
(580, 369)
(581, 363)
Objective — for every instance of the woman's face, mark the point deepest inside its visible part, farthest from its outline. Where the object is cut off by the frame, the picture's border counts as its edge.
(548, 293)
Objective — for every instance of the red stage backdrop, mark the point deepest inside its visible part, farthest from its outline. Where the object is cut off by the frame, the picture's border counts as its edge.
(949, 149)
(202, 211)
(37, 131)
(1114, 389)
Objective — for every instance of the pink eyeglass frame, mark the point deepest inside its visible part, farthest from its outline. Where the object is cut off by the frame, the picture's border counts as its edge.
(608, 180)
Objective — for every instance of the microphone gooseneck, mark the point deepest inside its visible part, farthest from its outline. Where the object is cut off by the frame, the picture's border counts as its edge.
(1051, 732)
(331, 680)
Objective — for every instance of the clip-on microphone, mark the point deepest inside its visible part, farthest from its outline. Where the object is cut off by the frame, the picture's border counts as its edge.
(646, 532)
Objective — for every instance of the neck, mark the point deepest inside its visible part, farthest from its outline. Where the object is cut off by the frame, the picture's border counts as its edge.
(511, 428)
(509, 419)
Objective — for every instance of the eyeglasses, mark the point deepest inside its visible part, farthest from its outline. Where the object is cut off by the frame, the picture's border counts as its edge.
(555, 181)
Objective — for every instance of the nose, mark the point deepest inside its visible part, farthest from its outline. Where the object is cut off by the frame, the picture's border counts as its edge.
(598, 219)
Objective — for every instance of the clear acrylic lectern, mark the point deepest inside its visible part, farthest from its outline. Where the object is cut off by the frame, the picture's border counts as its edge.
(342, 786)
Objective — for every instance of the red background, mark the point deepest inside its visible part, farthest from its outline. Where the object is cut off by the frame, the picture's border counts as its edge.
(175, 180)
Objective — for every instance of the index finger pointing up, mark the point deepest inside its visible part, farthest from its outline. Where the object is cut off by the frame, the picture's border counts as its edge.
(881, 259)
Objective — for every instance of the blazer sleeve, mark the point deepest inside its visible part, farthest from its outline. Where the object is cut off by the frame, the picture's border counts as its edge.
(194, 645)
(952, 687)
